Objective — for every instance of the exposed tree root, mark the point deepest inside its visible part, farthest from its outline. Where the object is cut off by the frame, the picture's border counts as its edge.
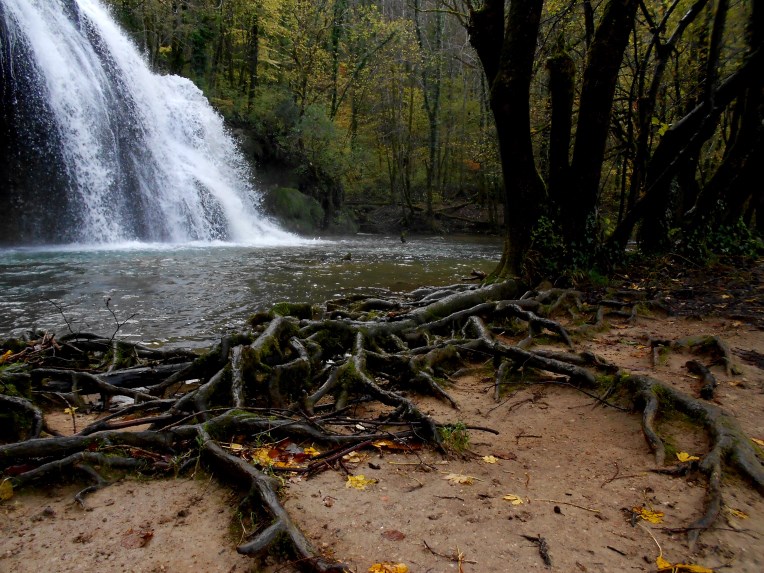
(298, 370)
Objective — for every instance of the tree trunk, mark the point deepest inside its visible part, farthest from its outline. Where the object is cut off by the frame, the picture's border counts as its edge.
(738, 178)
(507, 58)
(562, 72)
(654, 233)
(681, 140)
(599, 82)
(254, 40)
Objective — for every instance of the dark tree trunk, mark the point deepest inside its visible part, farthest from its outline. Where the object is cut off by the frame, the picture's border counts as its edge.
(254, 40)
(507, 58)
(562, 72)
(738, 179)
(600, 76)
(654, 233)
(647, 105)
(681, 141)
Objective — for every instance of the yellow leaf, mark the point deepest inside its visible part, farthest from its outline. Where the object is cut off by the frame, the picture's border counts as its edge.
(663, 565)
(354, 457)
(685, 457)
(6, 356)
(490, 459)
(6, 490)
(359, 482)
(262, 456)
(70, 411)
(648, 515)
(312, 452)
(233, 447)
(383, 444)
(690, 568)
(736, 512)
(388, 567)
(666, 567)
(758, 441)
(513, 499)
(460, 479)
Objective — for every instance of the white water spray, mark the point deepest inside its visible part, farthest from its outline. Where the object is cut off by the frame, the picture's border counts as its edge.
(144, 156)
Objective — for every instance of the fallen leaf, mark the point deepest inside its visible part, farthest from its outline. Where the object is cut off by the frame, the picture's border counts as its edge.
(132, 539)
(6, 356)
(666, 567)
(383, 444)
(736, 512)
(691, 568)
(758, 441)
(6, 490)
(685, 457)
(359, 482)
(312, 452)
(396, 446)
(262, 456)
(393, 535)
(513, 499)
(233, 447)
(354, 457)
(70, 411)
(490, 459)
(460, 479)
(388, 567)
(662, 563)
(648, 515)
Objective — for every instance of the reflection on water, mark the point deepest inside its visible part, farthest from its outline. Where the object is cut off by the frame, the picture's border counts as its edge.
(189, 295)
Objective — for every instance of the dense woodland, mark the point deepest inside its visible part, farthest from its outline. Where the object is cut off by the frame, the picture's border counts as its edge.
(577, 125)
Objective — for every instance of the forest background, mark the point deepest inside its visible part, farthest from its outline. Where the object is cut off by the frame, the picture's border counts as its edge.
(572, 127)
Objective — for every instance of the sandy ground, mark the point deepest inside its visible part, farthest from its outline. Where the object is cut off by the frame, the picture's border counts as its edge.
(578, 469)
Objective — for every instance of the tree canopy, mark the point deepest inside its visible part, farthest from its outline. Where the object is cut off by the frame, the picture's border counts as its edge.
(593, 124)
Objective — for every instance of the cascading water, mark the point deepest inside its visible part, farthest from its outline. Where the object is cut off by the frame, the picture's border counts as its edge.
(98, 149)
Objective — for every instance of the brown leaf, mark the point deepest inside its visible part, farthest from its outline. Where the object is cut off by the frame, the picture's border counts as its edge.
(393, 535)
(133, 539)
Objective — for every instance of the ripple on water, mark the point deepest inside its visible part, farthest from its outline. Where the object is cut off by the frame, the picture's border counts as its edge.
(188, 295)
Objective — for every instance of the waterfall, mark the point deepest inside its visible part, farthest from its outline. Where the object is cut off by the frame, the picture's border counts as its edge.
(99, 149)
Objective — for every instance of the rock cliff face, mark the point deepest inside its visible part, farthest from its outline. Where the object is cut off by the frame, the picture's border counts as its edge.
(30, 158)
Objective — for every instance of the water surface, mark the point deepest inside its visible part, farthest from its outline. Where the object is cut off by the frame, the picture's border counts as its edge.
(189, 295)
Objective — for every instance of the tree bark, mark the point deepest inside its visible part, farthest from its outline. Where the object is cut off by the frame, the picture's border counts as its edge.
(507, 59)
(600, 76)
(562, 72)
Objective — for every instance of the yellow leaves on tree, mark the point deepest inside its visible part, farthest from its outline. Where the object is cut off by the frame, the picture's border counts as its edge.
(359, 482)
(388, 567)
